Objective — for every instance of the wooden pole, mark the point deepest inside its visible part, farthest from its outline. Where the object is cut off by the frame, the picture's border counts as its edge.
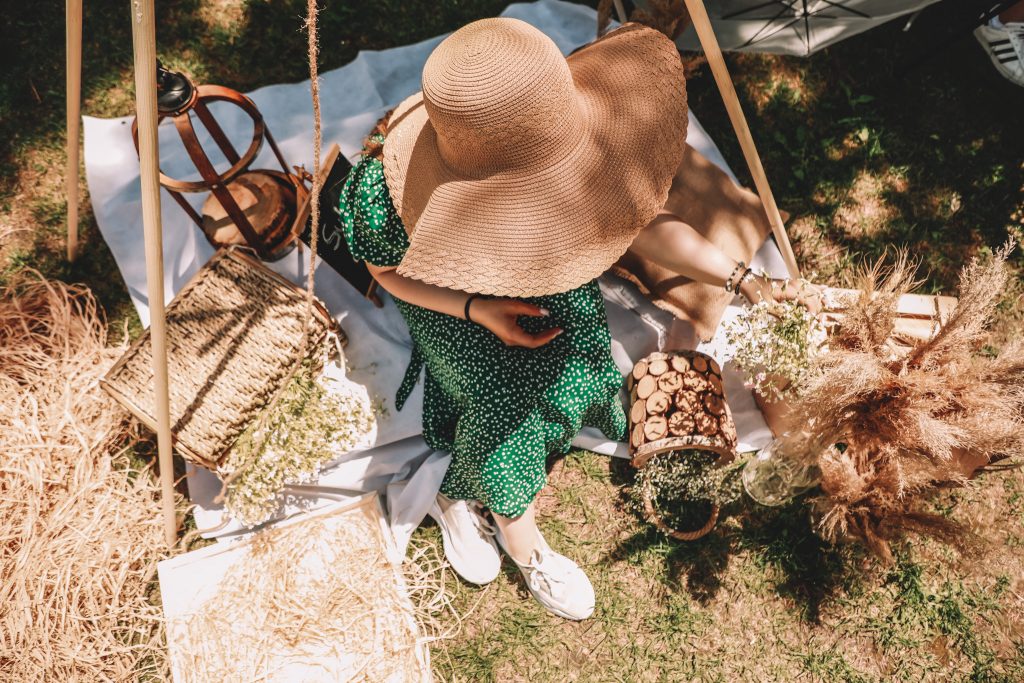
(73, 81)
(708, 41)
(144, 49)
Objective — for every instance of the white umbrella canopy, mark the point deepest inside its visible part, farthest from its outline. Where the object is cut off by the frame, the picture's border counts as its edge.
(795, 27)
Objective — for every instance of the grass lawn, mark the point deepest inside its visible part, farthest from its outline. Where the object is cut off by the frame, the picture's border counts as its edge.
(863, 152)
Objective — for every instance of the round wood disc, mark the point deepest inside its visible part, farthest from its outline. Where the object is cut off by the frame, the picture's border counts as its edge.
(658, 403)
(647, 385)
(656, 427)
(266, 201)
(680, 363)
(714, 404)
(637, 437)
(640, 369)
(700, 364)
(696, 383)
(638, 412)
(687, 402)
(707, 423)
(715, 367)
(681, 424)
(658, 367)
(657, 355)
(670, 382)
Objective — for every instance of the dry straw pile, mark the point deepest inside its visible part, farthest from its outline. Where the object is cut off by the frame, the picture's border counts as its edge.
(80, 527)
(914, 421)
(318, 599)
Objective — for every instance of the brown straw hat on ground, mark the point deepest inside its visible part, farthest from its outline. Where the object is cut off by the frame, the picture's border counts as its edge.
(518, 172)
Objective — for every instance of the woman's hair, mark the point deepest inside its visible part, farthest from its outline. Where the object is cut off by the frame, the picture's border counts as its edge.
(371, 145)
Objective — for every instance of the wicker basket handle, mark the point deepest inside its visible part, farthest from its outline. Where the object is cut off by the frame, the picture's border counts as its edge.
(657, 520)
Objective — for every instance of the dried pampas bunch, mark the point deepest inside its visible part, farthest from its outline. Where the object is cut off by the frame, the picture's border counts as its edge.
(911, 421)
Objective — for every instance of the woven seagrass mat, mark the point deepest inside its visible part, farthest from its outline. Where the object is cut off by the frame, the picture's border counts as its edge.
(234, 338)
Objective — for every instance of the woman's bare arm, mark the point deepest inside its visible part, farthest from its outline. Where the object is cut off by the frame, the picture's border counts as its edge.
(675, 245)
(448, 301)
(497, 315)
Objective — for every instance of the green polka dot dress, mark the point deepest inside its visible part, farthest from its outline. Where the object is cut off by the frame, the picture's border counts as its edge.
(499, 410)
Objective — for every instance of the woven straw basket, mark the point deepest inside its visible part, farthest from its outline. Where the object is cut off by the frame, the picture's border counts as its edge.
(234, 339)
(678, 403)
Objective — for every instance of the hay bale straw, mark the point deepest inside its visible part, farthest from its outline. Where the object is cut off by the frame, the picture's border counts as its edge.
(80, 527)
(315, 599)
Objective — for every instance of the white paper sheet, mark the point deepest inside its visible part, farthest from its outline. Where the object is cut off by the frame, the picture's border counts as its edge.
(353, 97)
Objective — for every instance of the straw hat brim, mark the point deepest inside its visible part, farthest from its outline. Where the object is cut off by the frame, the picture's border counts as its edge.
(554, 229)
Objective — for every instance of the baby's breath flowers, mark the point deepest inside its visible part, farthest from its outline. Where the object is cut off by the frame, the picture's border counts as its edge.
(314, 421)
(774, 344)
(683, 486)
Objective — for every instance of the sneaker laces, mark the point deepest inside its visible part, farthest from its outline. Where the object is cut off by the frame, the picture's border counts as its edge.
(550, 568)
(480, 523)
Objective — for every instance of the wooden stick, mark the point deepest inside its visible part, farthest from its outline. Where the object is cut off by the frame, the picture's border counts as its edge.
(73, 80)
(620, 10)
(144, 49)
(708, 41)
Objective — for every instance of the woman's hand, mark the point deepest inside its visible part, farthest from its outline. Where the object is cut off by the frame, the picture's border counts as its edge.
(499, 316)
(764, 288)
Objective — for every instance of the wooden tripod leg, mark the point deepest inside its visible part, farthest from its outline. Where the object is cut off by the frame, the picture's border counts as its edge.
(73, 20)
(708, 41)
(144, 50)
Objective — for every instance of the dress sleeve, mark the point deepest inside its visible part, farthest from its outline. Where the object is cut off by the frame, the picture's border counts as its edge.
(372, 227)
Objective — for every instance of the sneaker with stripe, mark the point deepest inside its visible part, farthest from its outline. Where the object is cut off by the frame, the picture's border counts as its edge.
(1004, 44)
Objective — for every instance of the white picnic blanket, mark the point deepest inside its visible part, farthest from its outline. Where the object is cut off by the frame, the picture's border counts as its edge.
(353, 98)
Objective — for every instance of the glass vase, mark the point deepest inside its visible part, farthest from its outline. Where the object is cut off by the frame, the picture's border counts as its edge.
(771, 478)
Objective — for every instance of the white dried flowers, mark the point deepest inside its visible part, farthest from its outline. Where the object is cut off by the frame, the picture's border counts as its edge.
(774, 343)
(314, 421)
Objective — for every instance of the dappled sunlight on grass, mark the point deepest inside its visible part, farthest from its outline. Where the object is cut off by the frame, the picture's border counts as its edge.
(761, 598)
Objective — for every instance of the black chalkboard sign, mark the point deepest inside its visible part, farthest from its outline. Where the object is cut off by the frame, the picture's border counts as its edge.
(331, 245)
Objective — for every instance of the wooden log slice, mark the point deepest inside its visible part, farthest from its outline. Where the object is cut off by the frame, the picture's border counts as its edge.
(714, 404)
(657, 355)
(658, 367)
(658, 403)
(696, 383)
(707, 423)
(630, 381)
(647, 385)
(656, 427)
(729, 430)
(638, 412)
(680, 363)
(681, 424)
(715, 367)
(700, 363)
(670, 382)
(640, 369)
(637, 437)
(688, 403)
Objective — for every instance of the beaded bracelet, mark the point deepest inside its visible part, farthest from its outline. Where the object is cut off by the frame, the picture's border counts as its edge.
(747, 276)
(740, 265)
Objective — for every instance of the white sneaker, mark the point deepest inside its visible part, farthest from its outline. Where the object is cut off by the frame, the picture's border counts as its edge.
(468, 539)
(1004, 44)
(556, 581)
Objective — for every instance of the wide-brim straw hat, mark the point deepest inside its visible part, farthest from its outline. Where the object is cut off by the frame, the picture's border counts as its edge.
(519, 172)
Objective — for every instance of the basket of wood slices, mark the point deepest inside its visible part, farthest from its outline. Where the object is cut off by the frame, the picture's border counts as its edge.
(682, 442)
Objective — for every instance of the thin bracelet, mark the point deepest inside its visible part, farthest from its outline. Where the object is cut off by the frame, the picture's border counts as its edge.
(747, 276)
(469, 300)
(740, 265)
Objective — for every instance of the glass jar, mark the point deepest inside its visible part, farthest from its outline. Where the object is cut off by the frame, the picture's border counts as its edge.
(771, 478)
